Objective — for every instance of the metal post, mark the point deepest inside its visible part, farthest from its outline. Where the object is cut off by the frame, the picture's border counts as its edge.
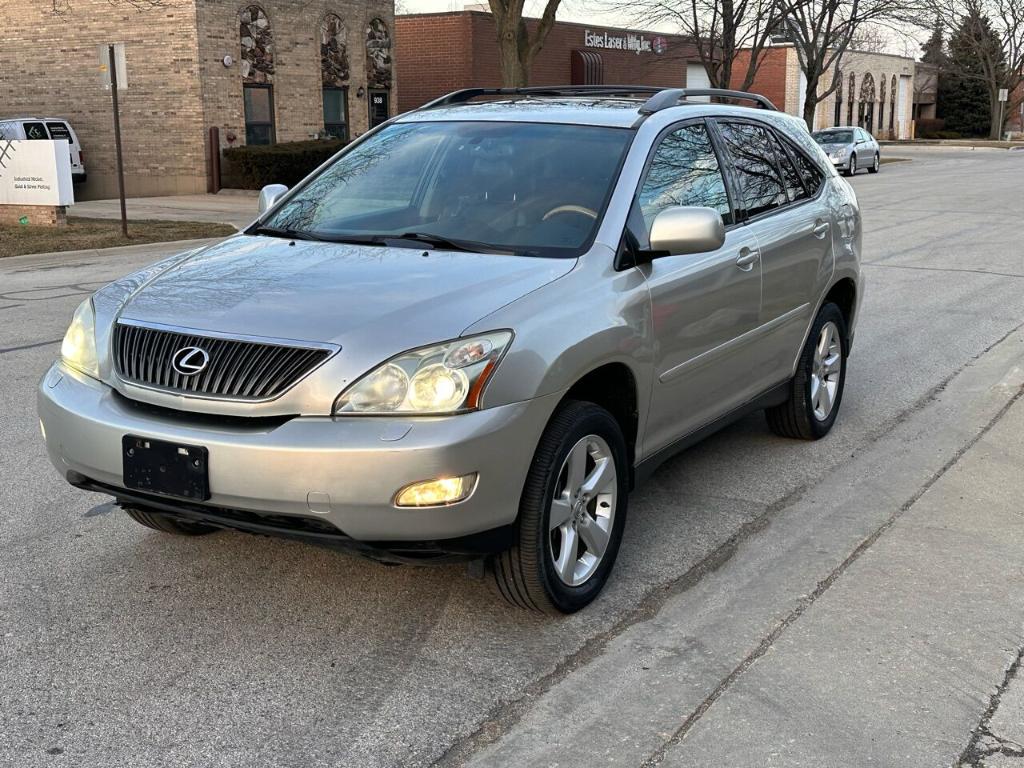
(117, 141)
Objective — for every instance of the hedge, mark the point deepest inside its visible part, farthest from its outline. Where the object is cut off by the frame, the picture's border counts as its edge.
(929, 128)
(253, 167)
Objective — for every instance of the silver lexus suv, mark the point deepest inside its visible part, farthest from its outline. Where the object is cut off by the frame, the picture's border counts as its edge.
(473, 331)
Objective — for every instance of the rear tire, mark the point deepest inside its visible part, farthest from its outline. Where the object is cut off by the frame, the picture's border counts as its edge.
(820, 376)
(167, 524)
(560, 567)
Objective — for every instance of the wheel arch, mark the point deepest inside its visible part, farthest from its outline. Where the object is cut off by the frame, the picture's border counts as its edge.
(613, 386)
(843, 293)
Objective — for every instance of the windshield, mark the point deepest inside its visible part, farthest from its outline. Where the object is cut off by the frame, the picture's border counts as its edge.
(833, 137)
(525, 188)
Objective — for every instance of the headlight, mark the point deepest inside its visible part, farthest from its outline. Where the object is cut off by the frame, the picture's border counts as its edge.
(79, 346)
(444, 378)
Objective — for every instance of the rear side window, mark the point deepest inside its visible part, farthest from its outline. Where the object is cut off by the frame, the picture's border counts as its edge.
(60, 131)
(761, 187)
(36, 132)
(684, 171)
(809, 172)
(790, 175)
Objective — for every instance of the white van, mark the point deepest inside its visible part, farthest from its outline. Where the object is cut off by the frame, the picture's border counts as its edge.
(46, 128)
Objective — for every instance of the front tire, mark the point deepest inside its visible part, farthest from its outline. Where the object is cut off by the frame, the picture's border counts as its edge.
(571, 514)
(875, 164)
(816, 391)
(852, 167)
(167, 524)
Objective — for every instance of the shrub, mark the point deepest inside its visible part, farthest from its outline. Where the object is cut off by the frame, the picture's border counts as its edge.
(928, 127)
(253, 167)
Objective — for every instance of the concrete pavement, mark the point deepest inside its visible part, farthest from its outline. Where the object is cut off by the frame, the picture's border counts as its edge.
(120, 646)
(238, 210)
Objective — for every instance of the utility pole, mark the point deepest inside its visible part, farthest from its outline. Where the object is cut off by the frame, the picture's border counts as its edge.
(117, 140)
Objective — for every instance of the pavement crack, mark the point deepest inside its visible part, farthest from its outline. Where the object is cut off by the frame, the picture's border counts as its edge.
(983, 742)
(29, 346)
(942, 269)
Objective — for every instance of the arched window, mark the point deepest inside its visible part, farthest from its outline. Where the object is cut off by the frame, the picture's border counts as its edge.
(334, 73)
(257, 63)
(866, 109)
(851, 96)
(378, 70)
(838, 117)
(257, 46)
(881, 102)
(892, 111)
(378, 54)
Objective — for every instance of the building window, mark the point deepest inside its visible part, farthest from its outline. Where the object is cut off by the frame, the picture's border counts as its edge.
(378, 55)
(851, 96)
(259, 113)
(257, 43)
(333, 52)
(892, 111)
(837, 119)
(336, 112)
(867, 103)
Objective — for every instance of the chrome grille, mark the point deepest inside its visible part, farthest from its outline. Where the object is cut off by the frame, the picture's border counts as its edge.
(237, 369)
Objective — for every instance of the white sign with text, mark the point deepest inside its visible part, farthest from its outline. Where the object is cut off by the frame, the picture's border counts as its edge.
(35, 173)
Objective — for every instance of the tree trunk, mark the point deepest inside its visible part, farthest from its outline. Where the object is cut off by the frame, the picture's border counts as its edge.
(515, 71)
(810, 103)
(995, 130)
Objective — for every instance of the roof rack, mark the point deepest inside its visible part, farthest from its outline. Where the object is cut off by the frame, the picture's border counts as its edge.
(468, 94)
(659, 98)
(670, 97)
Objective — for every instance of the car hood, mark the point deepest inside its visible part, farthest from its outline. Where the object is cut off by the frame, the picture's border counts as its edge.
(393, 298)
(832, 146)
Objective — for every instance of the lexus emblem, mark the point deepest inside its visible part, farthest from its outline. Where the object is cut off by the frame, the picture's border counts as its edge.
(189, 361)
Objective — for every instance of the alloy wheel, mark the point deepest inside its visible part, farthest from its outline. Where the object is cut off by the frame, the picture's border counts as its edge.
(582, 511)
(826, 369)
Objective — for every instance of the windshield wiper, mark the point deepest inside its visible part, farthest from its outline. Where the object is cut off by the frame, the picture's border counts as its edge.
(290, 234)
(450, 244)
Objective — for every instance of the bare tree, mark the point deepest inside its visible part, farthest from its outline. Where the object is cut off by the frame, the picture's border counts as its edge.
(726, 33)
(822, 31)
(517, 48)
(993, 31)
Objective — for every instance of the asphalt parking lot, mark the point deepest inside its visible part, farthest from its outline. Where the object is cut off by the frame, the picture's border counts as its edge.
(121, 646)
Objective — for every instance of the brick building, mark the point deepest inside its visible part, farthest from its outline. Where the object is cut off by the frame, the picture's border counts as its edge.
(270, 71)
(877, 90)
(442, 52)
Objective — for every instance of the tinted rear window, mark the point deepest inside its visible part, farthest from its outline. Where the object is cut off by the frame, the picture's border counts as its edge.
(36, 132)
(60, 131)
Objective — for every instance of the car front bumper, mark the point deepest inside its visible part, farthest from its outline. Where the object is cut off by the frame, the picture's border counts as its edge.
(343, 470)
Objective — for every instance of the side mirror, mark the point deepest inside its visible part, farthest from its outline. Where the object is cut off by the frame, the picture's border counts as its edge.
(269, 195)
(681, 230)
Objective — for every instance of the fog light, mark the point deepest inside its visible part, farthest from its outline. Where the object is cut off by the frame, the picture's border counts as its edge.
(436, 493)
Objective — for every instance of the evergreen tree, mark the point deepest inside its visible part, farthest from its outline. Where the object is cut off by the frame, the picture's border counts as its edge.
(963, 85)
(933, 50)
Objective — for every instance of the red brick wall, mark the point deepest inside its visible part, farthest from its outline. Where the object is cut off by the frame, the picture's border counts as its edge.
(438, 53)
(770, 80)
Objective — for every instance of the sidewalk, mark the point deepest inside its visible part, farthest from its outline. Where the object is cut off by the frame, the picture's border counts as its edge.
(234, 209)
(860, 624)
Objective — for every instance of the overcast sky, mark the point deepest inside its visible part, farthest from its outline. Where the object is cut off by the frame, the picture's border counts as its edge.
(590, 11)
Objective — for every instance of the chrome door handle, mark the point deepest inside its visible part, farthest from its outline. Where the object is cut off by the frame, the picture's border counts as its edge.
(747, 258)
(820, 230)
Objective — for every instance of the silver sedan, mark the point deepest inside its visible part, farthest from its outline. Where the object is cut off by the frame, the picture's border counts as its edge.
(850, 149)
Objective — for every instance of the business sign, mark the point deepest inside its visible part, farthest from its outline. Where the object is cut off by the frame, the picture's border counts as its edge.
(626, 42)
(35, 173)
